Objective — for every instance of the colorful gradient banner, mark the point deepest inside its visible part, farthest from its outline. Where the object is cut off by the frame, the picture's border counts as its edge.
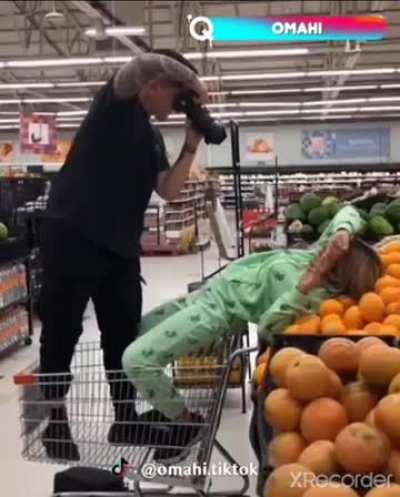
(296, 29)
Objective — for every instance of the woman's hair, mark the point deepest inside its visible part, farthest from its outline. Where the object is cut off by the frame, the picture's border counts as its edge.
(357, 271)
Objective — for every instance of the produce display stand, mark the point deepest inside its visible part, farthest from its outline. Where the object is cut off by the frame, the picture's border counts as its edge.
(261, 429)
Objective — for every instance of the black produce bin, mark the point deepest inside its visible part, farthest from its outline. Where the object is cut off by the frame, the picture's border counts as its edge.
(260, 432)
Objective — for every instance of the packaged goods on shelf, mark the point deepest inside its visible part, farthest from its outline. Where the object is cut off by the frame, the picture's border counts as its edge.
(13, 287)
(14, 325)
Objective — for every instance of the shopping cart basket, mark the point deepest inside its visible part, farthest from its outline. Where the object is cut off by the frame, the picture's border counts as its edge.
(90, 413)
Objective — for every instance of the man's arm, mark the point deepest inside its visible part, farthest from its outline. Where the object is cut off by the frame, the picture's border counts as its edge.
(170, 182)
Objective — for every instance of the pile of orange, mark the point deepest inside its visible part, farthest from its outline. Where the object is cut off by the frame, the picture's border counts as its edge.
(376, 313)
(335, 413)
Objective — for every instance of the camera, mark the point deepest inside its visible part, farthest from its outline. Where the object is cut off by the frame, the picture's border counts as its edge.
(212, 130)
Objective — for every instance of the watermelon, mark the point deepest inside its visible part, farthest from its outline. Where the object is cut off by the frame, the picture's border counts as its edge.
(3, 232)
(377, 209)
(331, 199)
(333, 209)
(294, 212)
(322, 227)
(318, 216)
(392, 212)
(378, 225)
(310, 201)
(363, 213)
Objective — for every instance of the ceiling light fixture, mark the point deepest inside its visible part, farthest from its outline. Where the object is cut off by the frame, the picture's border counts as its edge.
(230, 54)
(117, 31)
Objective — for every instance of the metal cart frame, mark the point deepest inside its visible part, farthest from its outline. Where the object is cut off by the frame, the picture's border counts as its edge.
(89, 418)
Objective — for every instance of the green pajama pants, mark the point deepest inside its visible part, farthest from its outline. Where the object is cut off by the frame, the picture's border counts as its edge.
(178, 328)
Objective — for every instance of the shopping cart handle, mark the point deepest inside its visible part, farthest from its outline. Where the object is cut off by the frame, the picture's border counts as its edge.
(241, 352)
(28, 376)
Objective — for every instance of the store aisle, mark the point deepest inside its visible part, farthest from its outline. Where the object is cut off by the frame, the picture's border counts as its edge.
(167, 278)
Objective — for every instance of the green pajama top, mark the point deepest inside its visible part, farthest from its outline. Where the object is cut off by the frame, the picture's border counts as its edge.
(269, 280)
(260, 288)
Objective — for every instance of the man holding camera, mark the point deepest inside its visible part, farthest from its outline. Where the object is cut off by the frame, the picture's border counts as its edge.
(91, 234)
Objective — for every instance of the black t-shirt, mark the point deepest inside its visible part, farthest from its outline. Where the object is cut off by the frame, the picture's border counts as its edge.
(105, 185)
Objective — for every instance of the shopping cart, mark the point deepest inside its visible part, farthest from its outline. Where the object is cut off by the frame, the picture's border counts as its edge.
(90, 413)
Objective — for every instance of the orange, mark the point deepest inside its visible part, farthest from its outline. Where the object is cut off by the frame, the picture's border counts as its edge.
(323, 419)
(379, 364)
(390, 247)
(260, 373)
(370, 418)
(362, 449)
(372, 307)
(367, 342)
(309, 325)
(373, 328)
(307, 378)
(390, 294)
(319, 457)
(331, 306)
(331, 324)
(282, 411)
(340, 355)
(388, 329)
(394, 270)
(285, 448)
(290, 480)
(390, 258)
(393, 308)
(391, 490)
(394, 465)
(386, 281)
(292, 330)
(336, 386)
(353, 319)
(387, 415)
(330, 490)
(280, 362)
(358, 400)
(346, 301)
(394, 386)
(393, 319)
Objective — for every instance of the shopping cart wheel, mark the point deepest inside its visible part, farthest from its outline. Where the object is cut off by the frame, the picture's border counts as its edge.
(28, 341)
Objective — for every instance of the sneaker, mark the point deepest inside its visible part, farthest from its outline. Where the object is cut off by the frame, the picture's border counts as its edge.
(178, 438)
(57, 438)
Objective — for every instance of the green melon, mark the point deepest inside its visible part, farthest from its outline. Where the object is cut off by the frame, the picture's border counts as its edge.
(310, 201)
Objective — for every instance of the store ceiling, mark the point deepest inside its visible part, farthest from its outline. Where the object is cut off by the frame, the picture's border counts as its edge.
(26, 33)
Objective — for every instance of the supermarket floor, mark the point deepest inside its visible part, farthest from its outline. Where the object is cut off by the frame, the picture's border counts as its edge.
(167, 278)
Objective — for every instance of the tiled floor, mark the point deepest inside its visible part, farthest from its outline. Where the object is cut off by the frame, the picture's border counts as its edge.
(167, 278)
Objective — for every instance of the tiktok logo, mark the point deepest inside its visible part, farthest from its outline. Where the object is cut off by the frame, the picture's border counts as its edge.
(121, 468)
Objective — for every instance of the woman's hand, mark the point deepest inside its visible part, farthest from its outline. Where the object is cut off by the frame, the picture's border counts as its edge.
(325, 262)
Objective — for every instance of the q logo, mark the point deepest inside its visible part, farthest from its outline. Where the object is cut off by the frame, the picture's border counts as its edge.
(121, 468)
(201, 28)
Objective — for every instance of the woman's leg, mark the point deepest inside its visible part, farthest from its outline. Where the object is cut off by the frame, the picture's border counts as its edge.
(191, 329)
(159, 314)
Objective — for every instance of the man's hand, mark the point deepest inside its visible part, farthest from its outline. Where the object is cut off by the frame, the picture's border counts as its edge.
(192, 138)
(325, 262)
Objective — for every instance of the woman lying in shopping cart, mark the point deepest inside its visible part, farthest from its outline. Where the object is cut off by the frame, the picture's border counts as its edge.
(270, 289)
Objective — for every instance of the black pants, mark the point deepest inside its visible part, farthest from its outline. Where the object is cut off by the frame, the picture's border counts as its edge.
(74, 271)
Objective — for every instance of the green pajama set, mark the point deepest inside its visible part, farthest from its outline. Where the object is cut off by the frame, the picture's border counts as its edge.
(260, 288)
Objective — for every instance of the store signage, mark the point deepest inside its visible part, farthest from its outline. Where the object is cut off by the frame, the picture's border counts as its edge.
(259, 147)
(38, 134)
(7, 149)
(369, 143)
(286, 29)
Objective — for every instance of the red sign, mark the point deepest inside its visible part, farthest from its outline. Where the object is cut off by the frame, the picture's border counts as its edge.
(38, 134)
